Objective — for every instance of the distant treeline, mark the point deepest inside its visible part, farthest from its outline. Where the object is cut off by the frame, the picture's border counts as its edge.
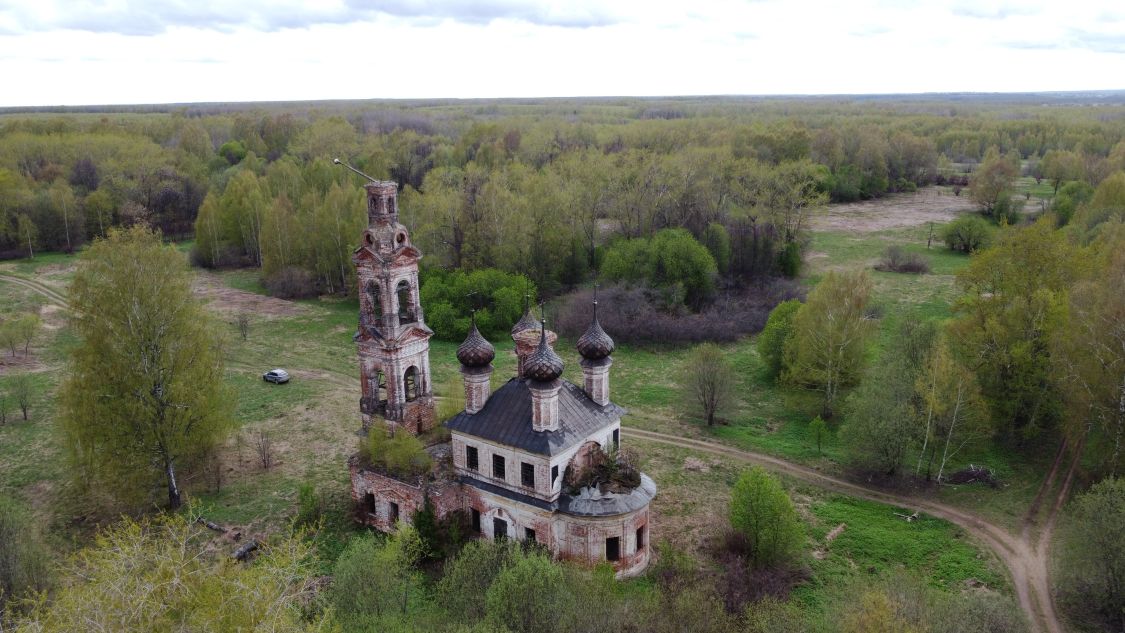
(538, 187)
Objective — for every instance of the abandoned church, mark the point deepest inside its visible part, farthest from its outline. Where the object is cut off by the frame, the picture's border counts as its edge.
(537, 459)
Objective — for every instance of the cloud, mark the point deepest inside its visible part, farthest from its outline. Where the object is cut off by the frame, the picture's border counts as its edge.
(153, 17)
(992, 10)
(567, 14)
(1098, 42)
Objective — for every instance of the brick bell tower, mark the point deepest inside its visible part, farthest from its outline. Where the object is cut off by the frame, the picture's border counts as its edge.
(392, 339)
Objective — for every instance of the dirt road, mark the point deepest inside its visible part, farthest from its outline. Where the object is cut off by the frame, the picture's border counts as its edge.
(51, 294)
(1025, 557)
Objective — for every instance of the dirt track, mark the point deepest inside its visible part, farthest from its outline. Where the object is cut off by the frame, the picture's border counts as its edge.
(1026, 558)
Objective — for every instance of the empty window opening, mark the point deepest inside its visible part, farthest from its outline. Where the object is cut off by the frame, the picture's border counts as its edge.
(499, 529)
(476, 520)
(616, 438)
(527, 474)
(405, 305)
(640, 538)
(529, 535)
(394, 512)
(498, 466)
(554, 474)
(374, 299)
(612, 548)
(410, 383)
(369, 503)
(472, 460)
(380, 385)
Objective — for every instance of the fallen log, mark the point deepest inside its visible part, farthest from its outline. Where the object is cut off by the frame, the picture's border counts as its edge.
(209, 525)
(244, 550)
(909, 518)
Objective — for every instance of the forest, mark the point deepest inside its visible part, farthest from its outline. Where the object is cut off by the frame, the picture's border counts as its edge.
(922, 298)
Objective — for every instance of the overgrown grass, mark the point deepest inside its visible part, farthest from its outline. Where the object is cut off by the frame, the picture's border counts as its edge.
(876, 542)
(28, 267)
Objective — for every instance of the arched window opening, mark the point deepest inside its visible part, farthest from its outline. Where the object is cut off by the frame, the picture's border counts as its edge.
(410, 383)
(380, 386)
(405, 303)
(374, 299)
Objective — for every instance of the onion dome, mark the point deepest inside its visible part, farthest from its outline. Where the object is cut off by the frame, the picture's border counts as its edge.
(526, 322)
(595, 344)
(476, 351)
(543, 365)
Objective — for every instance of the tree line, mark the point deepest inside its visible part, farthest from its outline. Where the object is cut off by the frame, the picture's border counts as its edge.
(536, 187)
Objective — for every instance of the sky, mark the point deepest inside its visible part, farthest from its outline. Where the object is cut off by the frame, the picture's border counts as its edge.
(55, 52)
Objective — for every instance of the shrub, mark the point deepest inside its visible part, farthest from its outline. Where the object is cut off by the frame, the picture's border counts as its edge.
(762, 513)
(671, 259)
(310, 505)
(449, 298)
(896, 260)
(24, 559)
(399, 454)
(968, 234)
(530, 594)
(291, 282)
(789, 261)
(463, 588)
(1093, 560)
(1071, 196)
(771, 342)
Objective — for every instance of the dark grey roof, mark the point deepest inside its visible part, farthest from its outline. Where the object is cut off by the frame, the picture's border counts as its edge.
(509, 494)
(476, 351)
(506, 419)
(588, 503)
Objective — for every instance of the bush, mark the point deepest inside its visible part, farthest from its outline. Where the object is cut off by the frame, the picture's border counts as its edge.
(1093, 559)
(771, 342)
(762, 513)
(789, 261)
(1071, 196)
(671, 261)
(399, 455)
(291, 283)
(449, 298)
(637, 315)
(896, 260)
(968, 234)
(310, 505)
(463, 588)
(529, 595)
(24, 560)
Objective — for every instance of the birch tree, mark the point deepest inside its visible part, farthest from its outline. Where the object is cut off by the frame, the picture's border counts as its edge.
(145, 392)
(952, 410)
(830, 331)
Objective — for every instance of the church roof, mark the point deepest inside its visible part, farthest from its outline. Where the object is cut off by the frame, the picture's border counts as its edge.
(506, 419)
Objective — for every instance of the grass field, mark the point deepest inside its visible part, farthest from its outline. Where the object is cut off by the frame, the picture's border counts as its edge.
(311, 422)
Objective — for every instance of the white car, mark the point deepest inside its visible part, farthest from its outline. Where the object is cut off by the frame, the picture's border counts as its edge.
(276, 376)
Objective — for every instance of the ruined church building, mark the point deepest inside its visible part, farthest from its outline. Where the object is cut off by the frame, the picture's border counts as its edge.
(510, 451)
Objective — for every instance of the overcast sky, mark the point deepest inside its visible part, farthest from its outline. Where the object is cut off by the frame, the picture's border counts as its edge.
(158, 51)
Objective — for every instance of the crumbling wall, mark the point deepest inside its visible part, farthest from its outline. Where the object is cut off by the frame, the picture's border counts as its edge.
(446, 498)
